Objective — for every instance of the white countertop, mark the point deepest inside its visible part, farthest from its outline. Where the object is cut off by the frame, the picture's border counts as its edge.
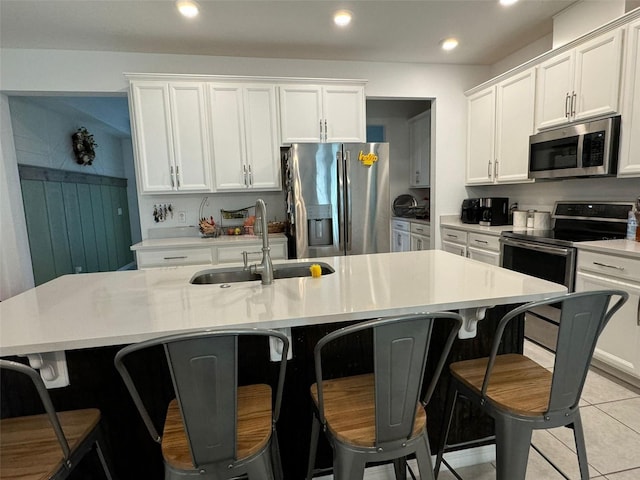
(453, 221)
(424, 221)
(203, 242)
(626, 248)
(100, 309)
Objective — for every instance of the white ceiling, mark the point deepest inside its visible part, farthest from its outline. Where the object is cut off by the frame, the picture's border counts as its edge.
(390, 30)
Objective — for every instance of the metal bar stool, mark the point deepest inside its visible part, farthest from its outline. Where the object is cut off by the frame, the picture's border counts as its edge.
(522, 396)
(50, 445)
(379, 416)
(213, 429)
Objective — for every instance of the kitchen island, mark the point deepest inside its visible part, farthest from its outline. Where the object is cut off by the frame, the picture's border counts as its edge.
(92, 315)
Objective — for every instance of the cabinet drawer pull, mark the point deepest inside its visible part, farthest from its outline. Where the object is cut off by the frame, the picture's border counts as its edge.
(609, 266)
(451, 236)
(175, 258)
(419, 230)
(481, 241)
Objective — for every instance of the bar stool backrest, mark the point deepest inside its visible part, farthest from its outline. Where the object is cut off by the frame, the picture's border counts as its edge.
(400, 354)
(583, 317)
(203, 368)
(400, 346)
(205, 381)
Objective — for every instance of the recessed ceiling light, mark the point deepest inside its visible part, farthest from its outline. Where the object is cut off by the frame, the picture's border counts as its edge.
(449, 43)
(342, 18)
(187, 8)
(506, 3)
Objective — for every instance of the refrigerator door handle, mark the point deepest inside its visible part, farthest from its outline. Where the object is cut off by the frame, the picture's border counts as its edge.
(341, 202)
(347, 199)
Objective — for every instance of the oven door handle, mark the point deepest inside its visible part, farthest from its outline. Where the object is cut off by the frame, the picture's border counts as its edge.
(565, 252)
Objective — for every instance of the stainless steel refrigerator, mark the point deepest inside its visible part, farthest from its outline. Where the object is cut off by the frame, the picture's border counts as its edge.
(337, 198)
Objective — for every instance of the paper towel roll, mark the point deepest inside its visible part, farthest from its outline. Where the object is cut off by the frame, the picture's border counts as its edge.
(542, 220)
(519, 219)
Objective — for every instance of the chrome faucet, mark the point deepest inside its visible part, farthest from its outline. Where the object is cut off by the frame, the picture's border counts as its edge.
(265, 268)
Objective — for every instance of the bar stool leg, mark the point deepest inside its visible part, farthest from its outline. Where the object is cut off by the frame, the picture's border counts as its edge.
(347, 465)
(578, 434)
(513, 440)
(452, 397)
(315, 433)
(260, 468)
(423, 457)
(400, 468)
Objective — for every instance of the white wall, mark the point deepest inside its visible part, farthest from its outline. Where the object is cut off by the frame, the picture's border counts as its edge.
(16, 274)
(523, 55)
(393, 115)
(46, 71)
(582, 17)
(43, 139)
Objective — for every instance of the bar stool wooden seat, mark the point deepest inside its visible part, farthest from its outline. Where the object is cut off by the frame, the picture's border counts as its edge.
(49, 445)
(214, 428)
(522, 396)
(379, 416)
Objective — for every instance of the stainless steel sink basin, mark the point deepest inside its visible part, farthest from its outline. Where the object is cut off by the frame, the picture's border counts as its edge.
(238, 274)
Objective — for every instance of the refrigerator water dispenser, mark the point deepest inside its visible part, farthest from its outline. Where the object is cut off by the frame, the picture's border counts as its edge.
(320, 225)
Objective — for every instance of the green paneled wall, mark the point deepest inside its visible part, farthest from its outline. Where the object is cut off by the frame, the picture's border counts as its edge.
(75, 221)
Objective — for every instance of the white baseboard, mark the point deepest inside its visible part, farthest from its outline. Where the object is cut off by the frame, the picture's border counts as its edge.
(458, 459)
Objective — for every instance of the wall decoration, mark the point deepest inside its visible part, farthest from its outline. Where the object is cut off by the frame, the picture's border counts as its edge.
(84, 146)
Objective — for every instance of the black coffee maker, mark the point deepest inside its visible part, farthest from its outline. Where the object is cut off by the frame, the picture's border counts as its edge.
(470, 211)
(494, 211)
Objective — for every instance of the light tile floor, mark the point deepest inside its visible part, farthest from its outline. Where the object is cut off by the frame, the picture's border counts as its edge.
(611, 419)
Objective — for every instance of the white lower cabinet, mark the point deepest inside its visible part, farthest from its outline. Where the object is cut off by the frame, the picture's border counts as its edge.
(618, 349)
(420, 236)
(233, 254)
(484, 248)
(454, 241)
(400, 236)
(175, 256)
(477, 246)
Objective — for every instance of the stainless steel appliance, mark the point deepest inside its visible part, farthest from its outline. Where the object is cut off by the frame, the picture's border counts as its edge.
(579, 150)
(551, 254)
(337, 198)
(494, 211)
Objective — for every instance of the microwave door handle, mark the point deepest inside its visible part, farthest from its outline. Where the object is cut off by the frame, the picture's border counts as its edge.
(565, 252)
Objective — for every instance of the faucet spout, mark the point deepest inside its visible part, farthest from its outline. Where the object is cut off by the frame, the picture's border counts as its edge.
(265, 268)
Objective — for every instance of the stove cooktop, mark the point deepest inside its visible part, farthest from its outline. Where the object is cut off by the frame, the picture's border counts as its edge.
(580, 222)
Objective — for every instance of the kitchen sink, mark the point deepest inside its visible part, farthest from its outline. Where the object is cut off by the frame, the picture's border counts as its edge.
(239, 274)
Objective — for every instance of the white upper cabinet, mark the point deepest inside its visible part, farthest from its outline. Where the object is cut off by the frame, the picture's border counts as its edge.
(500, 122)
(629, 163)
(317, 113)
(419, 149)
(580, 83)
(481, 117)
(170, 137)
(515, 105)
(244, 126)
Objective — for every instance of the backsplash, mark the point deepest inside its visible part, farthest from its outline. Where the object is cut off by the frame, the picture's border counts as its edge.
(190, 206)
(542, 195)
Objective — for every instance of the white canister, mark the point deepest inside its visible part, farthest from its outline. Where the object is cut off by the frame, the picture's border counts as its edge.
(519, 219)
(542, 220)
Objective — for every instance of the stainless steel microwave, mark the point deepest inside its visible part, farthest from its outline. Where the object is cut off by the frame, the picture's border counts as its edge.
(580, 150)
